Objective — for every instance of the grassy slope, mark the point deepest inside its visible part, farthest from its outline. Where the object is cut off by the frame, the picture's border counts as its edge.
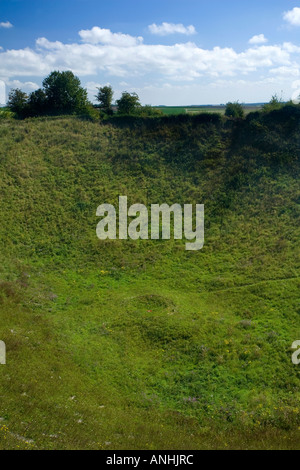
(123, 344)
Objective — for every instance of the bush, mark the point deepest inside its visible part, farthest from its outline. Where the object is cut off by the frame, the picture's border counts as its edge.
(149, 111)
(274, 104)
(6, 113)
(90, 113)
(234, 110)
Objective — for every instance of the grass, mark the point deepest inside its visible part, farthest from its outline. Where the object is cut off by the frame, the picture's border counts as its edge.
(142, 345)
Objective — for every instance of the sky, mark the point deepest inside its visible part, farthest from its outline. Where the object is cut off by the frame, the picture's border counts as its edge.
(170, 52)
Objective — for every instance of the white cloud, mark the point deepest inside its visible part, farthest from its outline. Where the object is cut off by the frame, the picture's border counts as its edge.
(6, 25)
(258, 39)
(170, 28)
(24, 62)
(127, 57)
(98, 35)
(292, 16)
(30, 86)
(185, 61)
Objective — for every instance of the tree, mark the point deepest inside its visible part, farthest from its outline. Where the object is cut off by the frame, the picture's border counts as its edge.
(128, 103)
(64, 93)
(37, 102)
(17, 102)
(105, 96)
(234, 110)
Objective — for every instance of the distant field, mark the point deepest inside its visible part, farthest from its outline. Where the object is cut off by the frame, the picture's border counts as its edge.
(171, 110)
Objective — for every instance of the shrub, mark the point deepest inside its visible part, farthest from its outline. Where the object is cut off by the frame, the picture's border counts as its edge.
(274, 104)
(234, 110)
(6, 113)
(149, 111)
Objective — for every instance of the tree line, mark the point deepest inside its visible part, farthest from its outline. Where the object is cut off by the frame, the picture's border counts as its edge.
(62, 93)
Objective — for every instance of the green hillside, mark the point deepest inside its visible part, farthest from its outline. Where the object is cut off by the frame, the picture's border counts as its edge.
(141, 344)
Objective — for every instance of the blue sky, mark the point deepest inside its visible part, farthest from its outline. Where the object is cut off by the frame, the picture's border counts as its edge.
(170, 52)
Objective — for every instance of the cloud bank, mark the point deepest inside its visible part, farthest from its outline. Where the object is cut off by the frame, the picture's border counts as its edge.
(121, 55)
